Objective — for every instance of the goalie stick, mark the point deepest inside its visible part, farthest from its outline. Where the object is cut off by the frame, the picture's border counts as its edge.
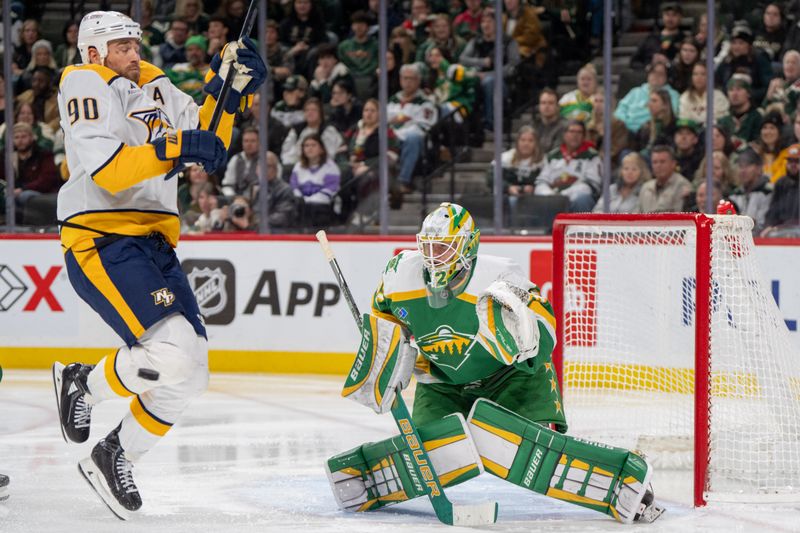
(448, 513)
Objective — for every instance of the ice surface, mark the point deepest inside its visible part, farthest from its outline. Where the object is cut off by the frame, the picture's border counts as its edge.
(247, 456)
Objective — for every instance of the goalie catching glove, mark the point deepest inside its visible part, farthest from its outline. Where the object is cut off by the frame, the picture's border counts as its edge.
(383, 364)
(508, 329)
(250, 72)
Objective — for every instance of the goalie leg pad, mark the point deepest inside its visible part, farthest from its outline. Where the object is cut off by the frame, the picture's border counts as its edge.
(590, 474)
(383, 365)
(378, 474)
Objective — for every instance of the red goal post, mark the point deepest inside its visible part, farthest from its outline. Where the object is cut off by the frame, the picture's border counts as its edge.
(669, 341)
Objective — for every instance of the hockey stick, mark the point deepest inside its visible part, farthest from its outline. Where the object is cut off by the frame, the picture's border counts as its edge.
(454, 515)
(247, 27)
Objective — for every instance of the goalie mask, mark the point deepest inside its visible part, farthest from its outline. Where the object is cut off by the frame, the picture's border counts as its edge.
(448, 242)
(99, 27)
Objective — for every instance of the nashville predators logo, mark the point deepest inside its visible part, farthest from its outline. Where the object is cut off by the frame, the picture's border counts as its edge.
(163, 297)
(154, 120)
(444, 344)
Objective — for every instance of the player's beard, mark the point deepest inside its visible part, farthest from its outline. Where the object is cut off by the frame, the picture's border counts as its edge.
(130, 72)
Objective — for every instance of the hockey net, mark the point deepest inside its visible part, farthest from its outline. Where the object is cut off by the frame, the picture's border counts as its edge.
(670, 342)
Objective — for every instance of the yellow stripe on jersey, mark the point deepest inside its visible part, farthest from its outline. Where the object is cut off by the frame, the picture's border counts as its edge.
(148, 72)
(469, 298)
(146, 420)
(92, 267)
(225, 127)
(104, 72)
(543, 312)
(135, 223)
(406, 295)
(112, 378)
(128, 166)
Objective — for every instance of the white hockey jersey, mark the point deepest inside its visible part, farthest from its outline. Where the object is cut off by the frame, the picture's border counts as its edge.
(116, 182)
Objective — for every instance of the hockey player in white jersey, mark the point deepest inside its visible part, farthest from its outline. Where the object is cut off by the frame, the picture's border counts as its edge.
(127, 132)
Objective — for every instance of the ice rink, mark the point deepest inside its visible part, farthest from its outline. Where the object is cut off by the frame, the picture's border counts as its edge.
(248, 456)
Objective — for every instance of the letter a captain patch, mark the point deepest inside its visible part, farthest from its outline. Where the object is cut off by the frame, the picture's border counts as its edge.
(163, 297)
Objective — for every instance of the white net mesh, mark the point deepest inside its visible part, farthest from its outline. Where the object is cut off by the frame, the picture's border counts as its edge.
(628, 347)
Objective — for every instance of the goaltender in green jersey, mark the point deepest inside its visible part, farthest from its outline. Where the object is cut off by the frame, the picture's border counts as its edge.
(478, 335)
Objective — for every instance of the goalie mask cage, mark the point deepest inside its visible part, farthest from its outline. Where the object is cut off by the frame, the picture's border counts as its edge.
(670, 342)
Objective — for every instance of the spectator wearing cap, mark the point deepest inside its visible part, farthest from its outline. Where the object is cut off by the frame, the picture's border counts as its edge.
(289, 110)
(189, 77)
(280, 61)
(743, 122)
(572, 170)
(479, 55)
(360, 55)
(42, 97)
(411, 114)
(743, 58)
(329, 70)
(785, 204)
(771, 33)
(441, 37)
(771, 146)
(688, 150)
(752, 196)
(785, 90)
(173, 50)
(633, 109)
(663, 44)
(680, 71)
(35, 171)
(667, 192)
(693, 100)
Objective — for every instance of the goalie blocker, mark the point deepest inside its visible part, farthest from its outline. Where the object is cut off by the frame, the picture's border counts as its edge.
(609, 480)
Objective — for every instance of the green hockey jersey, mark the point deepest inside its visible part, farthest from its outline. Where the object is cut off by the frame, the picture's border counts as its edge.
(447, 337)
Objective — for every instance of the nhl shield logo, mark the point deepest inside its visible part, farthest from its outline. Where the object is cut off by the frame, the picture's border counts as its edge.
(212, 282)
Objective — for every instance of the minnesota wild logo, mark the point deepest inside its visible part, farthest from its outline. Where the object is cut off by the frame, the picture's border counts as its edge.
(445, 346)
(155, 120)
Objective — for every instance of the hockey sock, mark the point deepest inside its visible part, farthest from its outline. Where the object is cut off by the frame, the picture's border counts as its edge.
(377, 474)
(590, 474)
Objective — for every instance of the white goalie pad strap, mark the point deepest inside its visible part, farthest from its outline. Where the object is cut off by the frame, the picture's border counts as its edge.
(383, 365)
(508, 329)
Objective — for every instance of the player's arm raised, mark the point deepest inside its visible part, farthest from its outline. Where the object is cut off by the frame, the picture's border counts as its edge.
(250, 74)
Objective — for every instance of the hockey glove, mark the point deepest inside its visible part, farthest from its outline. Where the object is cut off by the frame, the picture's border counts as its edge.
(250, 72)
(192, 146)
(507, 328)
(383, 365)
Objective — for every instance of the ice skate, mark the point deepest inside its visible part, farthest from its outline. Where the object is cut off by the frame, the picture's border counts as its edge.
(74, 412)
(649, 510)
(110, 474)
(3, 487)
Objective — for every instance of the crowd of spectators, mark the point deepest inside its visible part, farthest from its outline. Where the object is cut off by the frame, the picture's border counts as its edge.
(323, 149)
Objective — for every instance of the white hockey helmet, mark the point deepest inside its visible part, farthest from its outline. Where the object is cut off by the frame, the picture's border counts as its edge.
(99, 27)
(448, 242)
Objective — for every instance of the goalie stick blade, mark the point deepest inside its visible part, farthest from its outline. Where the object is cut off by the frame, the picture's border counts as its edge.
(478, 514)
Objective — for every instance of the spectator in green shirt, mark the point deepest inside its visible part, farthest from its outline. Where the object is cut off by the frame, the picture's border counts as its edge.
(360, 55)
(189, 77)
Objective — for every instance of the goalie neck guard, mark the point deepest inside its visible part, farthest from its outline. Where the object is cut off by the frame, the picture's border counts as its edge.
(99, 27)
(448, 242)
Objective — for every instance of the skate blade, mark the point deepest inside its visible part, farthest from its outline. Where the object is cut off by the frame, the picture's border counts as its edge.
(58, 375)
(100, 486)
